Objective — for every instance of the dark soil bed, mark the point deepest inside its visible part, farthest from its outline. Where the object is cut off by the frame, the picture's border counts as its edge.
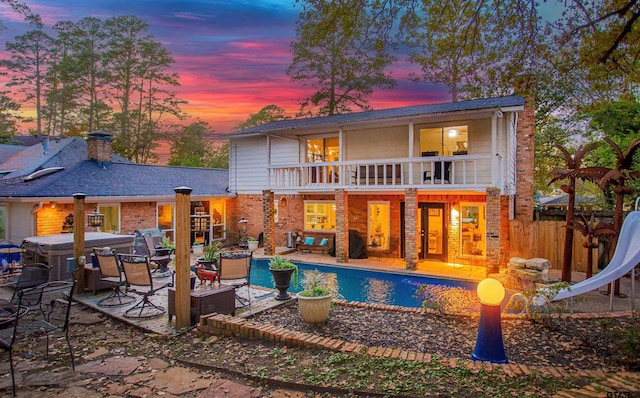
(569, 342)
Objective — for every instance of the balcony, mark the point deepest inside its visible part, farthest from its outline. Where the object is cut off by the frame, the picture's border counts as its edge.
(457, 172)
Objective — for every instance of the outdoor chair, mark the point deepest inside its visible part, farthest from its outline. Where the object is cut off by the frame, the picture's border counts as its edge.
(32, 275)
(111, 274)
(137, 271)
(234, 269)
(160, 256)
(40, 310)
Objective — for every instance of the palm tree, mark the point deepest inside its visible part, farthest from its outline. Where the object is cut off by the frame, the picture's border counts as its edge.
(618, 177)
(591, 228)
(571, 172)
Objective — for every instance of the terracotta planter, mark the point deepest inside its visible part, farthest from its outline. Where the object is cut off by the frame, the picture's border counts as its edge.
(315, 310)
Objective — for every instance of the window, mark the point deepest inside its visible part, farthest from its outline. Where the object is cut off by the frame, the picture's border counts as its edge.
(111, 218)
(218, 218)
(323, 150)
(378, 225)
(473, 227)
(444, 141)
(320, 216)
(166, 219)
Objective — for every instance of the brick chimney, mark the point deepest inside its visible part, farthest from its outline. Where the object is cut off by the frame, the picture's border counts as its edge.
(99, 146)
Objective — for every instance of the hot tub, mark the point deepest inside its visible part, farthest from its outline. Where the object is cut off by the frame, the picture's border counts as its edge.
(55, 249)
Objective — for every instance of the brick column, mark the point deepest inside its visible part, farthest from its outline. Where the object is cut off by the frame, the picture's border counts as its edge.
(342, 226)
(524, 162)
(493, 230)
(411, 228)
(269, 225)
(505, 238)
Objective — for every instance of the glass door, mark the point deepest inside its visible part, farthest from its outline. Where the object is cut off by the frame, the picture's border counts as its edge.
(432, 231)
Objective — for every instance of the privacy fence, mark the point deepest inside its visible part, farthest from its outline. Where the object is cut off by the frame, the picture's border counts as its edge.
(545, 239)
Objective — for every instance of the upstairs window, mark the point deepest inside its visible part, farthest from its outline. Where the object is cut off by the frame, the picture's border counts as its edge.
(323, 150)
(444, 141)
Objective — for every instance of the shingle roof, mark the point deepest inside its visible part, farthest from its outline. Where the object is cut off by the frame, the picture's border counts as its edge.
(119, 180)
(358, 117)
(28, 159)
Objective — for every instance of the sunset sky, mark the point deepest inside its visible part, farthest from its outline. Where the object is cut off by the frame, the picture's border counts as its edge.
(231, 55)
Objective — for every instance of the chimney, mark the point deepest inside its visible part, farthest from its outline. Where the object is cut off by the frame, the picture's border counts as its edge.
(99, 146)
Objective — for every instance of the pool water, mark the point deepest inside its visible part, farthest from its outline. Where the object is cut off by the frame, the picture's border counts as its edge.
(363, 285)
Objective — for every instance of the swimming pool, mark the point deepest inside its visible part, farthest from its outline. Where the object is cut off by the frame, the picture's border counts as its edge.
(363, 285)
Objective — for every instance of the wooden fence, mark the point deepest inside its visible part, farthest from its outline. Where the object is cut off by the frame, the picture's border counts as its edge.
(545, 239)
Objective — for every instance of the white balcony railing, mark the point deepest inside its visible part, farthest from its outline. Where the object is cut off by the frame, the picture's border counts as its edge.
(438, 172)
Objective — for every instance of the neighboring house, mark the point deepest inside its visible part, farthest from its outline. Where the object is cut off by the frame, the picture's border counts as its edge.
(37, 184)
(434, 181)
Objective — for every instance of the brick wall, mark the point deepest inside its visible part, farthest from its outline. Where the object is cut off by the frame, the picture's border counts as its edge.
(524, 167)
(49, 221)
(134, 215)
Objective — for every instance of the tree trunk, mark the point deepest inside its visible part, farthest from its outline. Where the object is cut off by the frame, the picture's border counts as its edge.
(568, 240)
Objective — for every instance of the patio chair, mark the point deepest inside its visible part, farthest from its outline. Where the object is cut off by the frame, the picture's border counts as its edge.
(43, 309)
(137, 271)
(111, 274)
(234, 269)
(31, 276)
(160, 256)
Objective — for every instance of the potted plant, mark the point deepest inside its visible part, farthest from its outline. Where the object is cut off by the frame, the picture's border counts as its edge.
(210, 255)
(316, 298)
(252, 243)
(283, 271)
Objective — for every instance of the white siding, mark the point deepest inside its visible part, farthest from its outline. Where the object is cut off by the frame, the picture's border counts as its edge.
(248, 165)
(284, 151)
(383, 143)
(21, 222)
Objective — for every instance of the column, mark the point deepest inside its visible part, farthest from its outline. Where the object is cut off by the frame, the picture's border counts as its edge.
(269, 225)
(411, 228)
(342, 226)
(78, 238)
(183, 248)
(493, 230)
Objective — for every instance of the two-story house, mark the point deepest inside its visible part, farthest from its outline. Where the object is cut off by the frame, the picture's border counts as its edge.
(437, 181)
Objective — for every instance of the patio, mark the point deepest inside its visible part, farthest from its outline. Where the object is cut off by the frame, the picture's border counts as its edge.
(263, 298)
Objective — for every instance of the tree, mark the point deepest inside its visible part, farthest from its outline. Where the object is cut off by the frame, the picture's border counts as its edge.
(135, 68)
(8, 118)
(220, 157)
(24, 10)
(591, 229)
(476, 48)
(341, 49)
(29, 61)
(191, 147)
(572, 171)
(269, 113)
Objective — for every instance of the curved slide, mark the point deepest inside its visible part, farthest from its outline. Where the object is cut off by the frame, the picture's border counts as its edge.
(625, 258)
